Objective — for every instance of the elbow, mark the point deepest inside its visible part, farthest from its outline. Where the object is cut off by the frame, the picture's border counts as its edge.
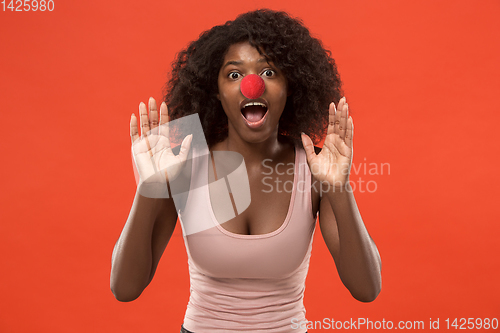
(371, 285)
(368, 295)
(364, 290)
(125, 294)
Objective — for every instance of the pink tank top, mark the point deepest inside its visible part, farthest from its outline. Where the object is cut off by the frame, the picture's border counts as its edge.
(249, 283)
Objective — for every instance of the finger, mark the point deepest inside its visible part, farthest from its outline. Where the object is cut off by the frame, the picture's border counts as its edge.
(164, 119)
(143, 113)
(349, 133)
(337, 115)
(153, 113)
(308, 147)
(343, 120)
(185, 146)
(134, 130)
(331, 118)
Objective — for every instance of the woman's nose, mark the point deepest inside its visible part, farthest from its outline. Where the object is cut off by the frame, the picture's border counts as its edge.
(252, 86)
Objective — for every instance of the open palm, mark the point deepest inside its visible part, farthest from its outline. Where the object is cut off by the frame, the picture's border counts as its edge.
(151, 150)
(333, 164)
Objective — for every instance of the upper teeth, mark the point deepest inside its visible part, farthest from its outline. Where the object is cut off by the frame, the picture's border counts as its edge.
(254, 103)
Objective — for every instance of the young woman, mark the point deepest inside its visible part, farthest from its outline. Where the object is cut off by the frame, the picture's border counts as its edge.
(248, 274)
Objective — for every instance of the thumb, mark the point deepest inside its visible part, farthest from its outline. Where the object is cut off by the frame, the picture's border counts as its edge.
(308, 147)
(185, 146)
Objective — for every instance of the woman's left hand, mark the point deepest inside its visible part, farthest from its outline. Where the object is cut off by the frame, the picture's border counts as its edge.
(332, 165)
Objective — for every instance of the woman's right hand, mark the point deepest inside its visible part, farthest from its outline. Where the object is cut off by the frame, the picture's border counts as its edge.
(151, 149)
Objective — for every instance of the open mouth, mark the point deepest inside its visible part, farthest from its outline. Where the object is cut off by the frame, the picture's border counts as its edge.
(254, 113)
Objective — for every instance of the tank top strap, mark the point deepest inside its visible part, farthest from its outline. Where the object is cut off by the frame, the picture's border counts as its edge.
(303, 186)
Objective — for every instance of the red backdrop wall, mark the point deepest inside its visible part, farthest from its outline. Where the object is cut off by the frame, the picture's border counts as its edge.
(420, 78)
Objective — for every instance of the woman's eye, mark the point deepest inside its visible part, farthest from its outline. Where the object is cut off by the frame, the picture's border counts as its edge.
(234, 75)
(268, 73)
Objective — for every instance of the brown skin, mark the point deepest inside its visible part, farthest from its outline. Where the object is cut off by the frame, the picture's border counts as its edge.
(152, 221)
(243, 59)
(267, 211)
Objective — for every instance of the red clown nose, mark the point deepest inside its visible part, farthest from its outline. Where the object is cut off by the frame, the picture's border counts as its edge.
(252, 86)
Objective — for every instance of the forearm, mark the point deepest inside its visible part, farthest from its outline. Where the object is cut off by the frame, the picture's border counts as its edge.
(132, 255)
(358, 261)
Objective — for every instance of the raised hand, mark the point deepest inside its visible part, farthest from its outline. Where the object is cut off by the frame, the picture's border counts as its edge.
(333, 164)
(151, 150)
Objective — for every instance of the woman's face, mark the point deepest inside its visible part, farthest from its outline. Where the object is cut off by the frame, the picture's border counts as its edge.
(253, 123)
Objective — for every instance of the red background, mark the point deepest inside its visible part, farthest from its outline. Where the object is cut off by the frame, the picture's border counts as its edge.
(421, 79)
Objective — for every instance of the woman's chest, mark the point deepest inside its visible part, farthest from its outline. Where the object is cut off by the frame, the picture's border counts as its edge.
(270, 238)
(271, 196)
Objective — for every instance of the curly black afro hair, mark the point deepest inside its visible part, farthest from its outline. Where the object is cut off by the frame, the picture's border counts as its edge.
(311, 73)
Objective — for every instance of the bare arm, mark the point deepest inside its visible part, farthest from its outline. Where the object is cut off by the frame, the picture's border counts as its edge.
(137, 252)
(152, 220)
(355, 254)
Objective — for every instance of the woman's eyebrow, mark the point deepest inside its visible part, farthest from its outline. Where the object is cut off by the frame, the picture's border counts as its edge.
(239, 62)
(232, 62)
